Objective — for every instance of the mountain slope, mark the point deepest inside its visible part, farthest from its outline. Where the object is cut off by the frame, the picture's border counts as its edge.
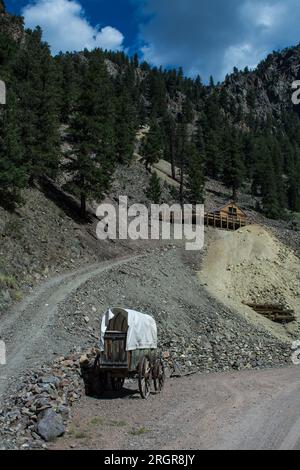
(266, 91)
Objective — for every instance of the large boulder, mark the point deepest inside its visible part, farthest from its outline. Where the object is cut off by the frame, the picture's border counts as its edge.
(50, 425)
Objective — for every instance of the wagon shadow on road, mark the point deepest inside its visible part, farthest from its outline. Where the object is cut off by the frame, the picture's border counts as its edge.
(125, 394)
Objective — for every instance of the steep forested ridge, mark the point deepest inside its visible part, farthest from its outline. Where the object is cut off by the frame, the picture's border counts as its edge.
(244, 132)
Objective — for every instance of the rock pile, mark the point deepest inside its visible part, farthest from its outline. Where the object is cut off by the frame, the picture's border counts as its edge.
(38, 407)
(222, 349)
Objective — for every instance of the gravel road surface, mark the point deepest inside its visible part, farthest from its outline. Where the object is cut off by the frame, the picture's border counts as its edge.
(244, 410)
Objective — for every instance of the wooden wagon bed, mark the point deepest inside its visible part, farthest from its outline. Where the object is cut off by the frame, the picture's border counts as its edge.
(128, 349)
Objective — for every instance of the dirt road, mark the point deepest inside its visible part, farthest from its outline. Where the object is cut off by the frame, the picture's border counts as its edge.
(30, 330)
(245, 410)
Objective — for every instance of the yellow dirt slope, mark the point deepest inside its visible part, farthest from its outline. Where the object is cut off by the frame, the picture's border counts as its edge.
(252, 266)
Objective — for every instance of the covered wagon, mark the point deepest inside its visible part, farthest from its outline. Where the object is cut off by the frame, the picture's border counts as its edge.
(128, 348)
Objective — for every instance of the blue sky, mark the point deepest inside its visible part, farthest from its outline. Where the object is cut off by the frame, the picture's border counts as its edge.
(204, 36)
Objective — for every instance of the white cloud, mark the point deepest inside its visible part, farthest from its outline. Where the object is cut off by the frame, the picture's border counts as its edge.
(243, 55)
(264, 14)
(66, 27)
(110, 38)
(151, 55)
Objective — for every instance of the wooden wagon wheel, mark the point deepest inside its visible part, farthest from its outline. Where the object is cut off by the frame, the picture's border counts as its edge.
(145, 373)
(159, 375)
(117, 383)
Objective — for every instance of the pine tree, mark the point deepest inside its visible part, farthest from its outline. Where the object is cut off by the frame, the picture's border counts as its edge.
(152, 147)
(136, 60)
(277, 162)
(187, 110)
(271, 204)
(233, 172)
(125, 129)
(126, 122)
(181, 153)
(69, 86)
(198, 138)
(153, 192)
(35, 74)
(259, 154)
(170, 142)
(195, 181)
(142, 111)
(48, 117)
(180, 79)
(294, 194)
(157, 92)
(171, 83)
(92, 133)
(12, 172)
(8, 50)
(213, 156)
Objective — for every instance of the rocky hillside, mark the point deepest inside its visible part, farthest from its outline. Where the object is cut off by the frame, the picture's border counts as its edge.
(266, 91)
(13, 25)
(45, 237)
(235, 132)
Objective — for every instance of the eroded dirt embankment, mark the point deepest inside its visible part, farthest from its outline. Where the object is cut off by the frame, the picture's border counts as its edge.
(252, 266)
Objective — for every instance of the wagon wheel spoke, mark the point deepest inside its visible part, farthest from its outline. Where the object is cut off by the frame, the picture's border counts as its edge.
(159, 376)
(145, 371)
(162, 378)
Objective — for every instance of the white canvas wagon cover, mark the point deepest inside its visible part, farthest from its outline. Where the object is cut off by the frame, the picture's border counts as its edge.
(141, 333)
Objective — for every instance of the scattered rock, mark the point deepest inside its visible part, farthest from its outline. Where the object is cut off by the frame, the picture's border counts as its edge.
(50, 425)
(41, 402)
(50, 379)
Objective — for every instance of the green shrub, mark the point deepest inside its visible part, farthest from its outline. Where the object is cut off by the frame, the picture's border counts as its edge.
(8, 282)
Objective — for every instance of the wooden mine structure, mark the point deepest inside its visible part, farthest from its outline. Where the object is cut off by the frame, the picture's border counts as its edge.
(274, 312)
(229, 217)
